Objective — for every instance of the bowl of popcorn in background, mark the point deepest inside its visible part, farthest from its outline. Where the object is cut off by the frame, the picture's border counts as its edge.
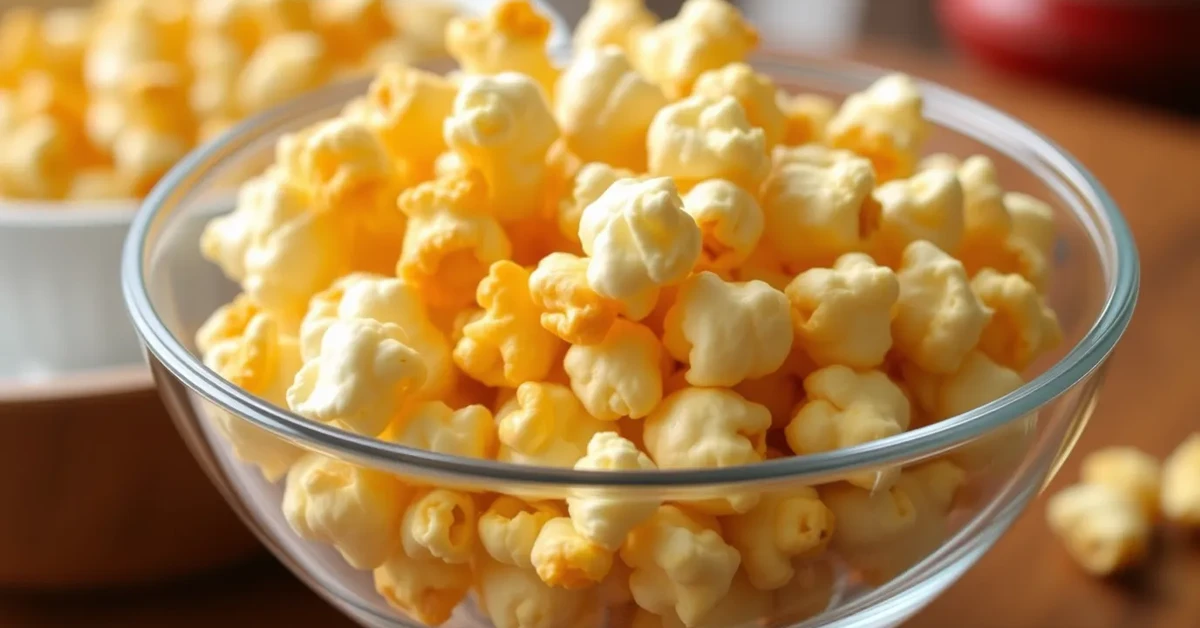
(97, 101)
(672, 334)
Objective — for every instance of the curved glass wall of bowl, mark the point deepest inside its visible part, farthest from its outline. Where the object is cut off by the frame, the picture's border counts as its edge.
(1022, 436)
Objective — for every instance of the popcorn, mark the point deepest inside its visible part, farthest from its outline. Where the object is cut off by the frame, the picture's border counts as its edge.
(807, 116)
(118, 46)
(451, 239)
(700, 138)
(356, 510)
(590, 182)
(217, 62)
(728, 332)
(1032, 221)
(938, 319)
(1129, 471)
(351, 27)
(776, 392)
(846, 408)
(502, 126)
(282, 68)
(606, 517)
(730, 221)
(346, 168)
(1022, 327)
(545, 425)
(428, 590)
(617, 23)
(929, 206)
(281, 16)
(808, 594)
(780, 528)
(755, 92)
(435, 426)
(986, 220)
(509, 527)
(510, 38)
(564, 558)
(439, 524)
(570, 308)
(884, 124)
(37, 160)
(605, 108)
(406, 107)
(99, 184)
(155, 97)
(1104, 529)
(639, 239)
(143, 156)
(813, 204)
(20, 33)
(620, 376)
(1180, 490)
(681, 565)
(705, 35)
(843, 315)
(517, 598)
(507, 345)
(361, 377)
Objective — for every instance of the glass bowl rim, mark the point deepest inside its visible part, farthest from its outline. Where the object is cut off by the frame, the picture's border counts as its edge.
(1081, 360)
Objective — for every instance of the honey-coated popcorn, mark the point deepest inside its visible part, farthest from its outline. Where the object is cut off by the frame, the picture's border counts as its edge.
(570, 308)
(755, 92)
(730, 221)
(617, 23)
(705, 35)
(783, 526)
(606, 517)
(884, 124)
(843, 315)
(605, 108)
(1180, 488)
(701, 138)
(510, 38)
(509, 527)
(544, 424)
(1104, 529)
(1128, 471)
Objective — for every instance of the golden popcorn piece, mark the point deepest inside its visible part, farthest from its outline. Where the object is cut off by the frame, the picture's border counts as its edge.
(282, 68)
(38, 160)
(1180, 488)
(434, 426)
(426, 589)
(928, 206)
(405, 107)
(544, 424)
(1022, 326)
(345, 167)
(843, 315)
(755, 92)
(617, 23)
(511, 37)
(352, 27)
(589, 183)
(885, 124)
(704, 35)
(440, 524)
(730, 221)
(1104, 529)
(699, 138)
(807, 116)
(781, 528)
(517, 598)
(565, 558)
(621, 375)
(99, 183)
(604, 516)
(1129, 471)
(509, 527)
(570, 309)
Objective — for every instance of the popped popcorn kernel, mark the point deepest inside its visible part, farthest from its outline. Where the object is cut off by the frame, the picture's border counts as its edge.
(143, 155)
(617, 23)
(513, 597)
(440, 524)
(1104, 530)
(885, 124)
(1022, 325)
(621, 375)
(843, 315)
(507, 346)
(728, 332)
(155, 96)
(704, 35)
(640, 240)
(938, 318)
(434, 426)
(565, 558)
(1129, 471)
(606, 516)
(807, 116)
(406, 107)
(511, 37)
(570, 309)
(544, 424)
(357, 510)
(776, 392)
(283, 67)
(700, 138)
(1180, 488)
(605, 108)
(730, 221)
(509, 527)
(928, 206)
(346, 168)
(351, 27)
(782, 527)
(590, 182)
(1032, 221)
(755, 92)
(37, 161)
(426, 589)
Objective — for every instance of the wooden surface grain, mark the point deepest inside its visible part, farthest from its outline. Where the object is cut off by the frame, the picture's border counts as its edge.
(1149, 163)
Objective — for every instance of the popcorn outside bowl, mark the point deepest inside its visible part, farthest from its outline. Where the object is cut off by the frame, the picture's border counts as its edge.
(876, 572)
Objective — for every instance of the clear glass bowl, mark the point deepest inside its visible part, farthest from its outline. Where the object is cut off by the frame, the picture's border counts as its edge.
(1016, 443)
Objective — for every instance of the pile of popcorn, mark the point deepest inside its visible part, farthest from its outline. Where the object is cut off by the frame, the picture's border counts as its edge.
(652, 258)
(98, 103)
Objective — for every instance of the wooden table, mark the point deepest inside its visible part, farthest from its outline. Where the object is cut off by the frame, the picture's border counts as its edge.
(1149, 163)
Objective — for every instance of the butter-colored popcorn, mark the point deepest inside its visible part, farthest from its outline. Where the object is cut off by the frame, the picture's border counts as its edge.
(1180, 487)
(776, 392)
(928, 206)
(406, 107)
(681, 565)
(119, 45)
(99, 183)
(846, 408)
(155, 96)
(590, 182)
(423, 24)
(352, 27)
(273, 17)
(602, 516)
(807, 116)
(37, 160)
(245, 346)
(426, 589)
(216, 62)
(345, 167)
(1129, 471)
(355, 509)
(20, 32)
(843, 315)
(435, 426)
(814, 203)
(617, 23)
(360, 378)
(143, 155)
(544, 424)
(563, 557)
(440, 523)
(743, 605)
(1032, 221)
(704, 35)
(985, 218)
(885, 124)
(103, 120)
(700, 138)
(570, 309)
(510, 38)
(1103, 529)
(728, 332)
(509, 527)
(639, 239)
(621, 375)
(282, 68)
(938, 318)
(451, 240)
(1022, 326)
(513, 597)
(730, 221)
(782, 527)
(605, 108)
(502, 126)
(507, 346)
(755, 92)
(41, 93)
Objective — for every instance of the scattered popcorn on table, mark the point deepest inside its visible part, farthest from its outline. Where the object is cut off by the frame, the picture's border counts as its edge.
(1128, 471)
(1103, 529)
(1181, 483)
(651, 260)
